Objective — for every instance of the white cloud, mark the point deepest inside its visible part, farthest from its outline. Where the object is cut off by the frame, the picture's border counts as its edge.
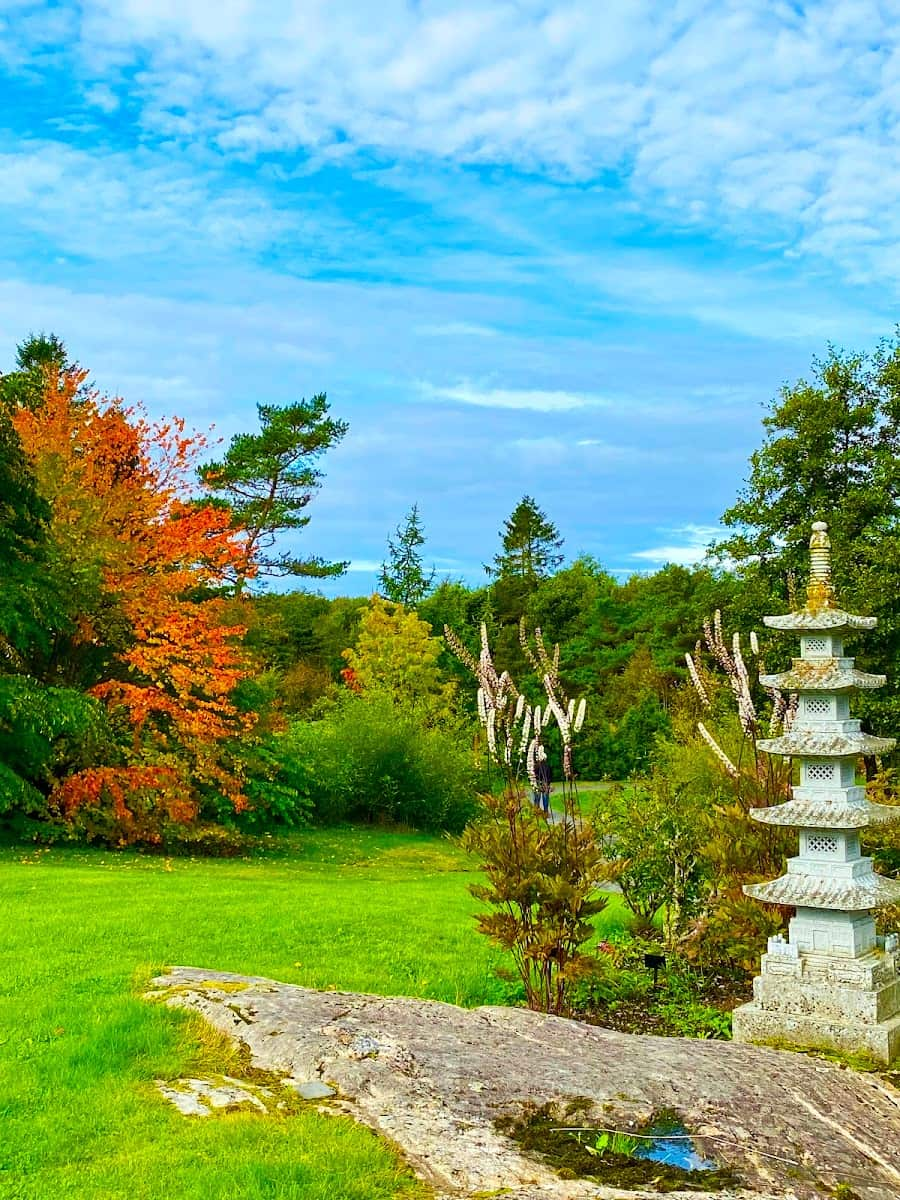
(109, 204)
(457, 329)
(583, 454)
(598, 448)
(528, 399)
(762, 303)
(103, 97)
(536, 452)
(367, 565)
(687, 551)
(210, 358)
(774, 122)
(493, 170)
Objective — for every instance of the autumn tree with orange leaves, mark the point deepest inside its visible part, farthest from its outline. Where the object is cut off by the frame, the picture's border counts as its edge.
(133, 561)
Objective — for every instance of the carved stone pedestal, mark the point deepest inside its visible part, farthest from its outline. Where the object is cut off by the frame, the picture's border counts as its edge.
(818, 1000)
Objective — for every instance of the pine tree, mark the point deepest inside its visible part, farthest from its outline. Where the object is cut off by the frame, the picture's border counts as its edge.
(402, 577)
(531, 545)
(268, 478)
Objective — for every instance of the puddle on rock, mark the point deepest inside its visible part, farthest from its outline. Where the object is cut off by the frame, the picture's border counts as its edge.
(667, 1141)
(660, 1155)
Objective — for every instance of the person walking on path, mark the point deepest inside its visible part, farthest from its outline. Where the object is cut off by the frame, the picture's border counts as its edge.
(543, 780)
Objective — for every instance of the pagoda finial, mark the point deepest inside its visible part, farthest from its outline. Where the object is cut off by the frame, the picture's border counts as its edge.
(819, 592)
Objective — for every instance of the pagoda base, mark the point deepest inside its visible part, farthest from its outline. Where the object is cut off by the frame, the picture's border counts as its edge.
(881, 1042)
(821, 1001)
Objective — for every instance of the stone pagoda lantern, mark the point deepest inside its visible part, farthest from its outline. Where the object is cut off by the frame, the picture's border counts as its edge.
(832, 983)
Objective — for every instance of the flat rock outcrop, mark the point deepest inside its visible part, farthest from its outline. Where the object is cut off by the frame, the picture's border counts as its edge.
(435, 1078)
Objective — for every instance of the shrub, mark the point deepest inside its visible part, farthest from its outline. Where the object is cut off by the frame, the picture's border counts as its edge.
(541, 890)
(369, 760)
(716, 763)
(208, 841)
(636, 736)
(655, 833)
(302, 685)
(542, 875)
(276, 785)
(45, 734)
(626, 748)
(134, 806)
(619, 991)
(18, 797)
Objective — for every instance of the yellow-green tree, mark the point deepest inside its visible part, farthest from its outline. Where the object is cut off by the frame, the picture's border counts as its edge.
(396, 655)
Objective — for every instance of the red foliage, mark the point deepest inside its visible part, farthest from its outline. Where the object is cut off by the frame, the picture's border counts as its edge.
(125, 804)
(351, 680)
(119, 487)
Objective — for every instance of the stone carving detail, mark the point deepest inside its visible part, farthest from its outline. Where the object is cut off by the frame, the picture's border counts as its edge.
(820, 843)
(782, 948)
(778, 965)
(820, 772)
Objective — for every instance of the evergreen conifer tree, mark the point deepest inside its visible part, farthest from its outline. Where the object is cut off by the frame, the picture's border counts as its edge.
(35, 356)
(403, 577)
(531, 545)
(268, 478)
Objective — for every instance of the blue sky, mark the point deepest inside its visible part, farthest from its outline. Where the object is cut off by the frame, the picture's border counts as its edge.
(567, 249)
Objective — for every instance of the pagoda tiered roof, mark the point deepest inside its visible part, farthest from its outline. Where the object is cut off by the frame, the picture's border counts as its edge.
(811, 891)
(803, 743)
(834, 982)
(829, 675)
(818, 620)
(827, 814)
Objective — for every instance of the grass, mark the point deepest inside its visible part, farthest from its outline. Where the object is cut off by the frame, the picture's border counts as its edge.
(79, 1049)
(588, 791)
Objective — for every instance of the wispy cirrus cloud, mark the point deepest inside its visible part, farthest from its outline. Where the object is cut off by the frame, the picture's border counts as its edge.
(525, 399)
(107, 204)
(457, 329)
(580, 454)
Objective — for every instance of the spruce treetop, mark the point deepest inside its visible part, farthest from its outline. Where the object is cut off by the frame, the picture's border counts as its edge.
(37, 355)
(531, 545)
(403, 577)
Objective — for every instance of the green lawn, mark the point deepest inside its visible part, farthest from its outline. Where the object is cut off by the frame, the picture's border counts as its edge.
(83, 929)
(588, 791)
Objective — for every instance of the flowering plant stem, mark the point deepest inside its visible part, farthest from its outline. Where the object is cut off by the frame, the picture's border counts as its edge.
(543, 870)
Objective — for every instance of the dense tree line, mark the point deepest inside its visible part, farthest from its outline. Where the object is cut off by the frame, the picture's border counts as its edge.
(146, 679)
(621, 643)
